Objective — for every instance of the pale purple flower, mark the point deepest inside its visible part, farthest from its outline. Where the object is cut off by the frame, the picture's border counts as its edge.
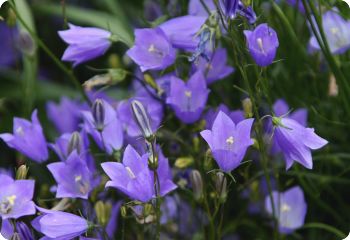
(196, 8)
(296, 141)
(16, 198)
(135, 179)
(262, 43)
(188, 99)
(152, 49)
(28, 138)
(85, 43)
(236, 116)
(290, 209)
(228, 142)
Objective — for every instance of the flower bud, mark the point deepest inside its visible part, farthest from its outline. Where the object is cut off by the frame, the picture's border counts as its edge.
(247, 107)
(22, 172)
(123, 211)
(103, 211)
(75, 143)
(183, 162)
(26, 43)
(142, 119)
(221, 186)
(98, 113)
(197, 184)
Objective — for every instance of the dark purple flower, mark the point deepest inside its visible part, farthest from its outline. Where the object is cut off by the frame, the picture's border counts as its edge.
(229, 8)
(22, 230)
(216, 68)
(297, 3)
(60, 225)
(16, 198)
(152, 49)
(85, 43)
(74, 178)
(228, 141)
(28, 138)
(111, 136)
(65, 115)
(290, 209)
(246, 12)
(188, 99)
(135, 179)
(182, 31)
(296, 141)
(262, 44)
(112, 224)
(8, 51)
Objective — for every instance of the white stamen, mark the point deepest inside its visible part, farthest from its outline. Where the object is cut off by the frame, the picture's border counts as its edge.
(130, 173)
(20, 131)
(230, 140)
(285, 207)
(260, 44)
(188, 94)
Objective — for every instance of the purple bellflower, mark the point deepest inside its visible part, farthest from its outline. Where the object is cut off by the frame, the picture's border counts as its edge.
(195, 7)
(85, 43)
(60, 225)
(228, 141)
(337, 31)
(16, 198)
(296, 141)
(246, 12)
(262, 43)
(135, 179)
(229, 8)
(28, 138)
(74, 178)
(188, 99)
(152, 50)
(290, 209)
(111, 136)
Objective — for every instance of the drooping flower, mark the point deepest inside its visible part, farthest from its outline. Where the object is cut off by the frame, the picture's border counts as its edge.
(296, 141)
(60, 225)
(65, 115)
(110, 137)
(262, 43)
(188, 99)
(16, 198)
(28, 138)
(135, 179)
(337, 31)
(290, 209)
(152, 49)
(216, 68)
(85, 43)
(228, 141)
(74, 178)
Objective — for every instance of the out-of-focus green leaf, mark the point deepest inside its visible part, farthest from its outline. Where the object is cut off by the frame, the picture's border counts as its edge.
(90, 17)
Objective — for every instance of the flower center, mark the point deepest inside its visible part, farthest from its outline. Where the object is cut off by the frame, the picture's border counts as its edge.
(130, 173)
(285, 208)
(7, 204)
(20, 131)
(188, 94)
(259, 41)
(230, 140)
(153, 49)
(82, 186)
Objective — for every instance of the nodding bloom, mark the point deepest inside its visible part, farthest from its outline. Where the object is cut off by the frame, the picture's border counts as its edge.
(152, 49)
(337, 31)
(16, 198)
(188, 99)
(85, 43)
(74, 178)
(60, 225)
(228, 141)
(135, 179)
(262, 43)
(28, 138)
(216, 68)
(107, 131)
(296, 141)
(290, 209)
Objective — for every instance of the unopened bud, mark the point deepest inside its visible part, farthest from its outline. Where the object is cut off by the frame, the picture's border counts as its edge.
(123, 211)
(197, 184)
(142, 119)
(103, 211)
(247, 107)
(152, 155)
(98, 113)
(183, 162)
(150, 81)
(22, 172)
(75, 143)
(221, 186)
(26, 43)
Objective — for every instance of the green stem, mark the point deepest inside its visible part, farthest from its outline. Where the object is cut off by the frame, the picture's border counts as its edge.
(325, 227)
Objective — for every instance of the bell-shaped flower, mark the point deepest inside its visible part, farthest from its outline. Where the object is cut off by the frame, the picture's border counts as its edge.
(134, 178)
(188, 99)
(16, 198)
(337, 31)
(152, 49)
(290, 209)
(85, 43)
(296, 141)
(60, 225)
(229, 8)
(28, 138)
(262, 43)
(110, 138)
(228, 142)
(74, 178)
